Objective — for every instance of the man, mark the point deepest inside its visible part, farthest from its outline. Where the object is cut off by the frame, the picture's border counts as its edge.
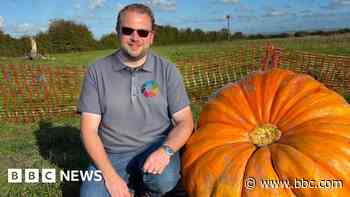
(135, 114)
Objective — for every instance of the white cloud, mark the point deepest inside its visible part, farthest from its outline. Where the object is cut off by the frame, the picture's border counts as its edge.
(77, 6)
(305, 13)
(162, 5)
(26, 29)
(342, 2)
(2, 21)
(198, 20)
(319, 15)
(275, 13)
(335, 4)
(118, 7)
(230, 1)
(96, 4)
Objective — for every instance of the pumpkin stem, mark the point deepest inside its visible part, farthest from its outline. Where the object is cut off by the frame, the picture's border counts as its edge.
(264, 135)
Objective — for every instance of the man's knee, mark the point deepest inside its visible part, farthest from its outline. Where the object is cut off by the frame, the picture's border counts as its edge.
(162, 183)
(93, 188)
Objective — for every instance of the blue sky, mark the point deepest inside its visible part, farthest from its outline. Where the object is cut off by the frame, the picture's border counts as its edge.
(23, 17)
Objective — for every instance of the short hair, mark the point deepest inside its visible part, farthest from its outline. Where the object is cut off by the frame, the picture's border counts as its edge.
(140, 8)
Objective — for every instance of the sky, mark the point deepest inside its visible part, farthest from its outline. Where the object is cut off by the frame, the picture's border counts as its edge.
(28, 17)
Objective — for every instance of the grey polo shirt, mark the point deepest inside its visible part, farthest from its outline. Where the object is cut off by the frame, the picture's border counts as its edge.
(135, 105)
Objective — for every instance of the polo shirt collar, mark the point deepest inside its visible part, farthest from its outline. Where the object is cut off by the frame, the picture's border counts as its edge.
(147, 66)
(149, 63)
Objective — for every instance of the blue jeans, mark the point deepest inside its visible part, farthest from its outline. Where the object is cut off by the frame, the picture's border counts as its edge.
(129, 167)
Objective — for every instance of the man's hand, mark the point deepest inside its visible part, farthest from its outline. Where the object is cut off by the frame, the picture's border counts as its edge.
(156, 162)
(116, 186)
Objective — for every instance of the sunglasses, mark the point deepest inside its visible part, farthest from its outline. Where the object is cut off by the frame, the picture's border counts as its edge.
(141, 32)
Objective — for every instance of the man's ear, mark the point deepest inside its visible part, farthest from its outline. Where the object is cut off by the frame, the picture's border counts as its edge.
(153, 34)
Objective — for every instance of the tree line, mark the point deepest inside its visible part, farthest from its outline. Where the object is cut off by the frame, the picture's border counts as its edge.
(65, 36)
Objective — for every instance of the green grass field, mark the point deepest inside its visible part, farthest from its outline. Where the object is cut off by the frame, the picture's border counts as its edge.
(55, 143)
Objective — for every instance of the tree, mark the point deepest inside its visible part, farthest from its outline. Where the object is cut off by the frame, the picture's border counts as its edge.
(166, 35)
(108, 41)
(317, 33)
(68, 36)
(238, 35)
(43, 42)
(199, 35)
(13, 47)
(344, 30)
(300, 33)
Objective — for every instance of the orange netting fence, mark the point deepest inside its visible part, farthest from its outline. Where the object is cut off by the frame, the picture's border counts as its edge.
(333, 71)
(204, 74)
(30, 93)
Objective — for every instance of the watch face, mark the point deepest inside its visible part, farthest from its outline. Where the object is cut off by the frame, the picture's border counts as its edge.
(168, 150)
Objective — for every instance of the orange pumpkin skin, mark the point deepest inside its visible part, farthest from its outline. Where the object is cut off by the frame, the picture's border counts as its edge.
(314, 141)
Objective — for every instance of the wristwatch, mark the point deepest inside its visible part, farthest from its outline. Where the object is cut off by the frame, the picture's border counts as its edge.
(168, 150)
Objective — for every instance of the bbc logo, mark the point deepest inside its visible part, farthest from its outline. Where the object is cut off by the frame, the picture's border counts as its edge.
(31, 175)
(49, 175)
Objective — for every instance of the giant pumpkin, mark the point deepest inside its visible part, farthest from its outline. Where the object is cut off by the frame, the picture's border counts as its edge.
(275, 125)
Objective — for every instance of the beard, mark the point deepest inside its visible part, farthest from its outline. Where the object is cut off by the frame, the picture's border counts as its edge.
(132, 56)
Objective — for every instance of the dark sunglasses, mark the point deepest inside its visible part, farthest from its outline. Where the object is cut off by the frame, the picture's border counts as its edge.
(141, 32)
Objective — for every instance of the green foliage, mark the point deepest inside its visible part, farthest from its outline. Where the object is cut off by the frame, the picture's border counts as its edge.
(300, 33)
(238, 35)
(347, 98)
(333, 45)
(108, 41)
(68, 36)
(65, 36)
(344, 30)
(43, 42)
(13, 47)
(257, 36)
(281, 35)
(62, 36)
(166, 35)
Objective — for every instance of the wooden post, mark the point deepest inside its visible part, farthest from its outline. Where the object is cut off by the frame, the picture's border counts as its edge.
(34, 51)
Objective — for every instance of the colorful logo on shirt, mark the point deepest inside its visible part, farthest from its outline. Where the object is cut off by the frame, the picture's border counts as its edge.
(150, 88)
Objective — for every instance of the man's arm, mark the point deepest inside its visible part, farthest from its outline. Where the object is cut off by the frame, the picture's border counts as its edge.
(182, 130)
(89, 123)
(177, 137)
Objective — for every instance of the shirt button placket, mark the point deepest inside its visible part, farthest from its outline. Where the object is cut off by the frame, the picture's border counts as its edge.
(133, 86)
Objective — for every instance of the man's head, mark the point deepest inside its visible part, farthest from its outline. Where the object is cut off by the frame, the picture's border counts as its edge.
(135, 29)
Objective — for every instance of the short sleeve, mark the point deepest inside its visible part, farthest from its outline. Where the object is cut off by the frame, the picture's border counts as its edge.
(176, 92)
(89, 100)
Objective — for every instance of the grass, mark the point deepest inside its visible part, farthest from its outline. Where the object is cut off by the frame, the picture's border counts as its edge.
(55, 143)
(65, 59)
(52, 143)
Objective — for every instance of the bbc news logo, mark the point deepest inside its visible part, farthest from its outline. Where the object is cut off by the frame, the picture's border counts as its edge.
(50, 175)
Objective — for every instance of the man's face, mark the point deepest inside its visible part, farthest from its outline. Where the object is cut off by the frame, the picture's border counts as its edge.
(134, 45)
